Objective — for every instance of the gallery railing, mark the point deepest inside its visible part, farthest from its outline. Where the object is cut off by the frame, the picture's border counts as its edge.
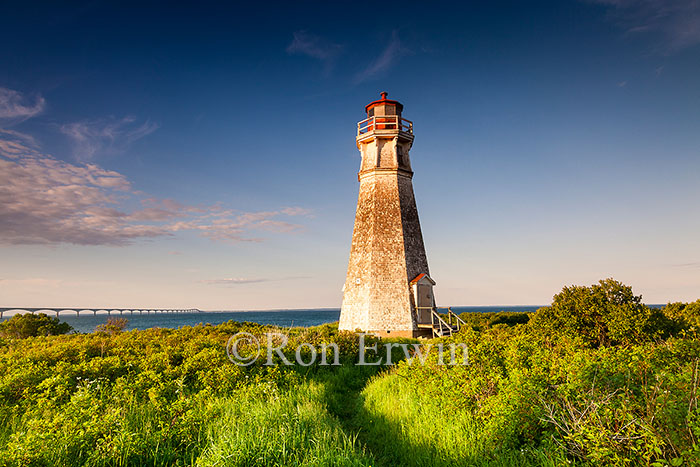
(386, 122)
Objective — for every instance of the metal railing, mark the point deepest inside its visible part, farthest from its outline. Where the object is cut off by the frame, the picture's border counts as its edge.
(385, 122)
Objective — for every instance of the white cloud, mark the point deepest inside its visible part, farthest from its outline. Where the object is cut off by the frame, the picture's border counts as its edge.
(387, 59)
(47, 201)
(676, 22)
(15, 106)
(91, 138)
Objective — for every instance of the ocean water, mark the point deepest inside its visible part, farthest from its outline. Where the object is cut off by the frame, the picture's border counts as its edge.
(87, 322)
(283, 318)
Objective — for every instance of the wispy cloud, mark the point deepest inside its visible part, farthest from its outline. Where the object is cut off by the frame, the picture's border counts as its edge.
(31, 281)
(19, 136)
(44, 200)
(233, 281)
(676, 22)
(244, 280)
(14, 106)
(13, 143)
(313, 46)
(688, 265)
(91, 138)
(304, 43)
(387, 59)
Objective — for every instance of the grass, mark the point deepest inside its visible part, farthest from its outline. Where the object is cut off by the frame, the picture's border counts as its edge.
(404, 426)
(286, 429)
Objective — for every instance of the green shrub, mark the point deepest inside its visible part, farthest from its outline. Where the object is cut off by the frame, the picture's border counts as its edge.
(32, 325)
(479, 321)
(604, 314)
(112, 326)
(687, 315)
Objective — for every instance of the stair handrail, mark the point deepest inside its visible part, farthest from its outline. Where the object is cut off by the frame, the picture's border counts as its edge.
(440, 322)
(460, 321)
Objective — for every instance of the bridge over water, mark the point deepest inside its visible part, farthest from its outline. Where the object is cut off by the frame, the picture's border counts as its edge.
(95, 311)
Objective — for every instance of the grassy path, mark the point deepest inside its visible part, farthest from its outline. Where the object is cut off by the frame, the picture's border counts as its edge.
(343, 398)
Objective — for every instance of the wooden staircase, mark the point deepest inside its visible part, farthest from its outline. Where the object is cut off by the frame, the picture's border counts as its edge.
(438, 325)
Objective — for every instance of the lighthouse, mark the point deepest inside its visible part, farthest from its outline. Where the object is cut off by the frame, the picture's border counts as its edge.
(388, 290)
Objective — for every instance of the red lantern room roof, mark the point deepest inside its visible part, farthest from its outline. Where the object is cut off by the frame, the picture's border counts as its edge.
(384, 101)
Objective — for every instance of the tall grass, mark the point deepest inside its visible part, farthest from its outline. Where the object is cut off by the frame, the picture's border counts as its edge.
(292, 428)
(404, 426)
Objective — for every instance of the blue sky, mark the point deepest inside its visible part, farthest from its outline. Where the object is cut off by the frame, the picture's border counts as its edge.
(203, 155)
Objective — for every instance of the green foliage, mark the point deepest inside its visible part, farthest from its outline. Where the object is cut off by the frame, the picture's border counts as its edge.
(31, 325)
(603, 314)
(112, 326)
(608, 387)
(479, 321)
(530, 399)
(168, 397)
(686, 315)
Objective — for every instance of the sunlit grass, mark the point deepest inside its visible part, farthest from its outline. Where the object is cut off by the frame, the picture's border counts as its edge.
(286, 429)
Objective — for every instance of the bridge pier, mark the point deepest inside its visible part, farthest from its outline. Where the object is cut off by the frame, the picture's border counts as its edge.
(1, 313)
(94, 312)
